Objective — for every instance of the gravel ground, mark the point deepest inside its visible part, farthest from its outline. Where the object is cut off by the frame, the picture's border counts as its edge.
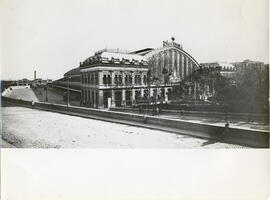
(29, 128)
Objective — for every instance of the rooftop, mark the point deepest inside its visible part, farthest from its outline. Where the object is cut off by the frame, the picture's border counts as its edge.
(73, 71)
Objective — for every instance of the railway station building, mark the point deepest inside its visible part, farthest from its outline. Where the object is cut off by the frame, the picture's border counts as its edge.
(115, 78)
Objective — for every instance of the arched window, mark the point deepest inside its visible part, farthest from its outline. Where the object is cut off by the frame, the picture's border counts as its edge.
(145, 79)
(130, 79)
(126, 80)
(139, 80)
(120, 79)
(116, 79)
(109, 80)
(104, 79)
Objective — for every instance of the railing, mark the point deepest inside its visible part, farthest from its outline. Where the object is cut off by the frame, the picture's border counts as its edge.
(112, 51)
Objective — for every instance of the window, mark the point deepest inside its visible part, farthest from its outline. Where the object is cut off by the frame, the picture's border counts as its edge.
(116, 79)
(96, 78)
(126, 79)
(139, 79)
(104, 79)
(120, 79)
(144, 79)
(130, 80)
(109, 80)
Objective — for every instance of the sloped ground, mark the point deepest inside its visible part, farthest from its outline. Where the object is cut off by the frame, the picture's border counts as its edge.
(24, 94)
(29, 128)
(54, 96)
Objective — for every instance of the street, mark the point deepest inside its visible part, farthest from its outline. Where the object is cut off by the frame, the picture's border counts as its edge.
(29, 128)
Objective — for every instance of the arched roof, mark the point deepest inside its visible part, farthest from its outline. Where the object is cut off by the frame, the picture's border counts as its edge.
(156, 51)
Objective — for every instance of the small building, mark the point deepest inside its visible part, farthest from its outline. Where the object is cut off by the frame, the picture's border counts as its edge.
(39, 82)
(23, 82)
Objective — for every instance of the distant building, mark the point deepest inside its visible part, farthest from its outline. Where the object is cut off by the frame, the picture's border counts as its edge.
(226, 69)
(40, 82)
(249, 64)
(23, 82)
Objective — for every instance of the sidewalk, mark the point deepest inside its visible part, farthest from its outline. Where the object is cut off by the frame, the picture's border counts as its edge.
(212, 120)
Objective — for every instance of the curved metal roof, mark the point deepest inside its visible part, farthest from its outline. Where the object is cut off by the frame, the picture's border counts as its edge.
(156, 51)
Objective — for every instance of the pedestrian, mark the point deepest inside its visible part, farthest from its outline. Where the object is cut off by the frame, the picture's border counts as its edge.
(145, 118)
(226, 130)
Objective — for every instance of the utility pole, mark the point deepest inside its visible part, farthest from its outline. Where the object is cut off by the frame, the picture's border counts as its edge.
(47, 92)
(68, 92)
(195, 91)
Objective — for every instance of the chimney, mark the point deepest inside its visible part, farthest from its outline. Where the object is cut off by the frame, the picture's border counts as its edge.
(35, 75)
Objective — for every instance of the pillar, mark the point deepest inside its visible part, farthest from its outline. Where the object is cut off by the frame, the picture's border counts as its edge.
(94, 78)
(95, 98)
(86, 96)
(187, 64)
(142, 92)
(177, 64)
(81, 95)
(88, 78)
(172, 59)
(166, 95)
(90, 98)
(100, 99)
(183, 66)
(133, 78)
(123, 78)
(100, 78)
(151, 92)
(123, 97)
(112, 77)
(132, 96)
(113, 99)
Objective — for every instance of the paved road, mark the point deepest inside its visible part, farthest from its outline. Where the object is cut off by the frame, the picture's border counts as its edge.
(27, 128)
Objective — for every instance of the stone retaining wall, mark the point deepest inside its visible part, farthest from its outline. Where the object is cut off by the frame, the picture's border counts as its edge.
(252, 138)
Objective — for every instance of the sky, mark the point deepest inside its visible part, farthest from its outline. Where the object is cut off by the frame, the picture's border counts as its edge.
(53, 36)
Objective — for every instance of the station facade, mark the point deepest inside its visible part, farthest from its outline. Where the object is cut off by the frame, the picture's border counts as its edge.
(112, 78)
(115, 78)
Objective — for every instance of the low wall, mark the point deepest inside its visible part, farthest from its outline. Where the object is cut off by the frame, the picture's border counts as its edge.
(220, 115)
(252, 138)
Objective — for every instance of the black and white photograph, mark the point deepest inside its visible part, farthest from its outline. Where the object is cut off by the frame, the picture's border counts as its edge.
(128, 75)
(135, 74)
